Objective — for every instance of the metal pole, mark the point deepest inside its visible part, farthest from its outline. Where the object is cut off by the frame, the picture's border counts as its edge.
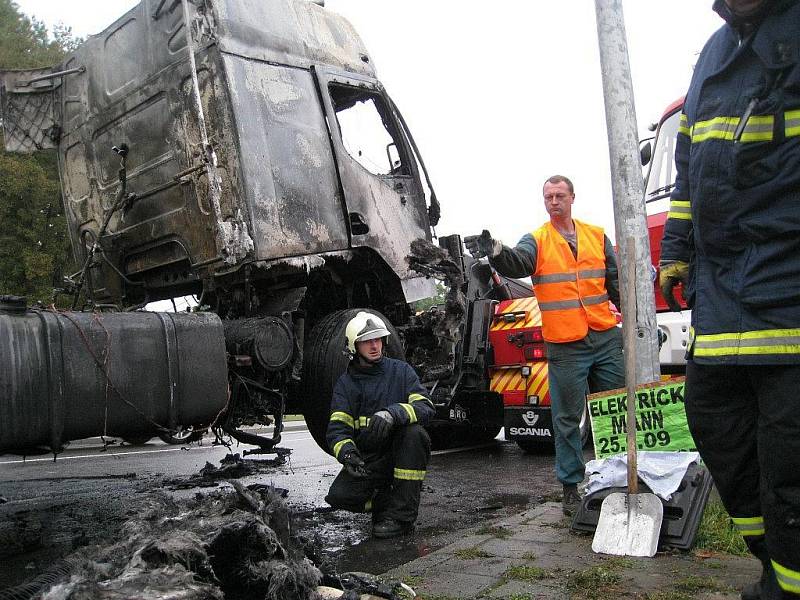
(627, 186)
(629, 337)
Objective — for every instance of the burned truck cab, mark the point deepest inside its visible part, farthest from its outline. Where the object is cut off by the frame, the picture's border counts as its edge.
(254, 136)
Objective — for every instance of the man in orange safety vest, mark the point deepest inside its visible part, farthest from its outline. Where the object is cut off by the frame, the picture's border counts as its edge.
(574, 272)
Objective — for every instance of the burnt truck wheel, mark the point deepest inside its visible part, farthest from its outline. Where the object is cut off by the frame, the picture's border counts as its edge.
(183, 435)
(324, 361)
(530, 447)
(136, 440)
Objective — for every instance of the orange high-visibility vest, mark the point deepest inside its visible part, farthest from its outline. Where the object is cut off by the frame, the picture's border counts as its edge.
(571, 292)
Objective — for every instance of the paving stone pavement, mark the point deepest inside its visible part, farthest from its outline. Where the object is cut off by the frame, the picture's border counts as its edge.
(533, 555)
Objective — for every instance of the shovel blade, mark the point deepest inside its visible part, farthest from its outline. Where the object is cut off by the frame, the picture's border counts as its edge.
(629, 525)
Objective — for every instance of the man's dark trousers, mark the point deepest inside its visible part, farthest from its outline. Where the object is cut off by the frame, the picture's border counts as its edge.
(594, 362)
(392, 488)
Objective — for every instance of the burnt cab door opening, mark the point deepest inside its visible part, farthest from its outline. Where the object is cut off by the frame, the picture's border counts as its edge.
(384, 201)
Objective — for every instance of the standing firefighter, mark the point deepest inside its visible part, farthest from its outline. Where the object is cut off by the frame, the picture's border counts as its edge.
(733, 234)
(378, 410)
(574, 272)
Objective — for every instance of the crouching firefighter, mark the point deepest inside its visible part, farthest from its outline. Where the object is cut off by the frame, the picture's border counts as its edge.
(376, 431)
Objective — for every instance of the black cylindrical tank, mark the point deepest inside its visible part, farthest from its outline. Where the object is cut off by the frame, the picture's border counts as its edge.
(267, 339)
(71, 375)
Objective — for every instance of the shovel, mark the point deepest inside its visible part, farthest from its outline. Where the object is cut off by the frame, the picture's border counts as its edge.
(629, 523)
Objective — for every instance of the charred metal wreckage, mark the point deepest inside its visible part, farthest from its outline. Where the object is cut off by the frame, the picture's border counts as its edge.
(215, 148)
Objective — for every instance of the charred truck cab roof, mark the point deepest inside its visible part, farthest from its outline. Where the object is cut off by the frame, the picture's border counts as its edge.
(259, 146)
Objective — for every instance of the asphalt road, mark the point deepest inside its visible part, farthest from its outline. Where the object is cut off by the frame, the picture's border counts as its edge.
(88, 459)
(48, 509)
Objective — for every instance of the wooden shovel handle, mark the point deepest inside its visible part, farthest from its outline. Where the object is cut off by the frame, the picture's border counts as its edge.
(629, 331)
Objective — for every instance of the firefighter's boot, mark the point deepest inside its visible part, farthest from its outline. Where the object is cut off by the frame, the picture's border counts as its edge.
(389, 528)
(752, 591)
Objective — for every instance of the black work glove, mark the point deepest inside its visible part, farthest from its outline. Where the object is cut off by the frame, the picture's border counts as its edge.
(483, 245)
(670, 274)
(380, 427)
(354, 464)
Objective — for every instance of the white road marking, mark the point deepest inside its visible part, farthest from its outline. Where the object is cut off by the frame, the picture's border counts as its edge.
(99, 454)
(295, 438)
(462, 449)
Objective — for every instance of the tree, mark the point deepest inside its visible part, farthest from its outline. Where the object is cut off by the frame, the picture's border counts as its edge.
(34, 252)
(24, 42)
(426, 303)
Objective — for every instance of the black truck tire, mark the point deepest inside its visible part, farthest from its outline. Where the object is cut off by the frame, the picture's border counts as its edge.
(537, 447)
(324, 361)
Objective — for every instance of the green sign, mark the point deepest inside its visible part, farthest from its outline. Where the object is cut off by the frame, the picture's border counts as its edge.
(660, 419)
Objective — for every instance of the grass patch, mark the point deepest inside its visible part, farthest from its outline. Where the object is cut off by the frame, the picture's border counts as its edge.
(618, 562)
(497, 531)
(672, 595)
(412, 580)
(529, 556)
(471, 553)
(717, 534)
(693, 584)
(293, 418)
(526, 573)
(688, 588)
(595, 583)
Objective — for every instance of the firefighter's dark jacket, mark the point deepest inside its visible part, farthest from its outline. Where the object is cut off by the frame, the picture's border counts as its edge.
(362, 391)
(735, 209)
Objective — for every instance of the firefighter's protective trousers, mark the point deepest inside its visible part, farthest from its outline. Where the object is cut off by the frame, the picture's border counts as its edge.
(392, 489)
(745, 421)
(596, 359)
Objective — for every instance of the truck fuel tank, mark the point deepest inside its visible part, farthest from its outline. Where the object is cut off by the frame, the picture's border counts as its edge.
(72, 375)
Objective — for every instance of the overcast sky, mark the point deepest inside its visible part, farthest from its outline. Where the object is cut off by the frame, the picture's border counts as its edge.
(499, 95)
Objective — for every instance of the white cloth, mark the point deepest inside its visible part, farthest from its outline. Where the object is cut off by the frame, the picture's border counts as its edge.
(661, 471)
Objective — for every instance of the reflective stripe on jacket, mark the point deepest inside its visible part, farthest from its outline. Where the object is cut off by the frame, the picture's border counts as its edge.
(735, 209)
(571, 291)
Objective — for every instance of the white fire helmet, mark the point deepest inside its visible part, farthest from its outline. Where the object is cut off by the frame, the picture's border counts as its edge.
(364, 326)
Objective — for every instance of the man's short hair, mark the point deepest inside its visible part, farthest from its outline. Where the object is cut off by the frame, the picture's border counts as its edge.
(559, 179)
